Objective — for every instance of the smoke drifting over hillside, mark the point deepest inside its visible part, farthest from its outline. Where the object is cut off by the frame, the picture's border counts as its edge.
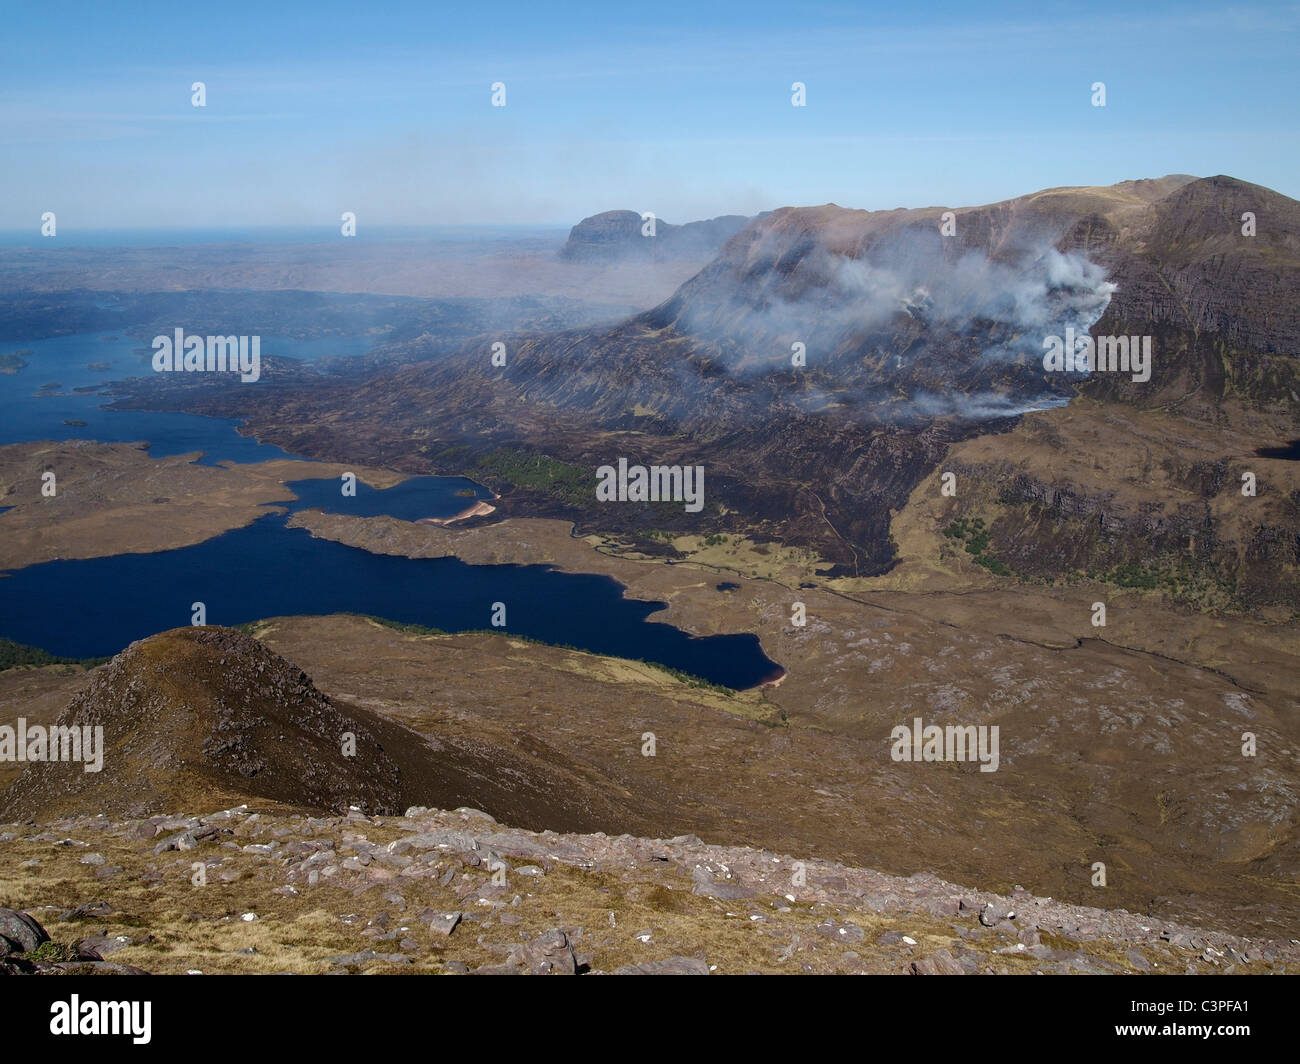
(909, 287)
(907, 327)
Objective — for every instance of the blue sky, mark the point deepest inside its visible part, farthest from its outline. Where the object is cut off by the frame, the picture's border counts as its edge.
(681, 109)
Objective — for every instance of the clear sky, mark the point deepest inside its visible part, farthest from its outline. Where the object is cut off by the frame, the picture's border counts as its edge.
(681, 109)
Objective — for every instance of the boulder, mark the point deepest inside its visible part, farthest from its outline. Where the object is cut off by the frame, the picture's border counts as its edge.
(19, 933)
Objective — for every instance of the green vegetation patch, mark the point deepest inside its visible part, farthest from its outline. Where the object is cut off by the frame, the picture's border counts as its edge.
(975, 537)
(16, 655)
(1190, 581)
(574, 484)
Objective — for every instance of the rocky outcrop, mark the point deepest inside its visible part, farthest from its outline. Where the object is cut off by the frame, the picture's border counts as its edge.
(19, 933)
(209, 711)
(26, 949)
(392, 885)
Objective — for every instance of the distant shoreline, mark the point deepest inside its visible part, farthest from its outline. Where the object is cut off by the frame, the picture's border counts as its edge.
(479, 509)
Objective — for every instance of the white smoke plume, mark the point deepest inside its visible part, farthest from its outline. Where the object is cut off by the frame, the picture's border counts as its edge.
(956, 317)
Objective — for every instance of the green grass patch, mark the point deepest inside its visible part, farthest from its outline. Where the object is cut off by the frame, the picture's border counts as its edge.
(575, 485)
(975, 538)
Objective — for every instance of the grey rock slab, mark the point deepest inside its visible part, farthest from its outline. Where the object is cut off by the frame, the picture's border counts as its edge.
(427, 840)
(102, 945)
(93, 967)
(185, 840)
(87, 910)
(22, 932)
(369, 956)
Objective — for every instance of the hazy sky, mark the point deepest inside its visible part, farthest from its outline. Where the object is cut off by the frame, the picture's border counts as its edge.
(683, 109)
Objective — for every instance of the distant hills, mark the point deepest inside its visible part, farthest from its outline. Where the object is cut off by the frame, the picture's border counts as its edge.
(620, 235)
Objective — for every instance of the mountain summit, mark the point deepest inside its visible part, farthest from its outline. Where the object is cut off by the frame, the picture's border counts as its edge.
(207, 714)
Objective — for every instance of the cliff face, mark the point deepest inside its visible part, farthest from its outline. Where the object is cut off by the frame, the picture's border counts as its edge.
(1168, 517)
(1222, 304)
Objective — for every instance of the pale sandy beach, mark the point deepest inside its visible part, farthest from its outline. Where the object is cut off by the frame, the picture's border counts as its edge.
(479, 509)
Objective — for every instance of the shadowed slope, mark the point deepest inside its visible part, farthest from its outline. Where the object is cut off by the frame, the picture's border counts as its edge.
(199, 717)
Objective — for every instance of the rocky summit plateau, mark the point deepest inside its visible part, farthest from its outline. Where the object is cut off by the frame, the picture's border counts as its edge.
(457, 893)
(614, 236)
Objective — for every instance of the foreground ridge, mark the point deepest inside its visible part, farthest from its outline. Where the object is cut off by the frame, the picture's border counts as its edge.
(456, 893)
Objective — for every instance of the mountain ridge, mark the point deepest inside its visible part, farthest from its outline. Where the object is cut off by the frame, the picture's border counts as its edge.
(913, 340)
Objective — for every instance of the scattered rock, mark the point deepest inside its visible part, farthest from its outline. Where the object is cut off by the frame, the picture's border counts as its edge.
(369, 956)
(185, 840)
(667, 966)
(550, 953)
(87, 910)
(837, 932)
(940, 963)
